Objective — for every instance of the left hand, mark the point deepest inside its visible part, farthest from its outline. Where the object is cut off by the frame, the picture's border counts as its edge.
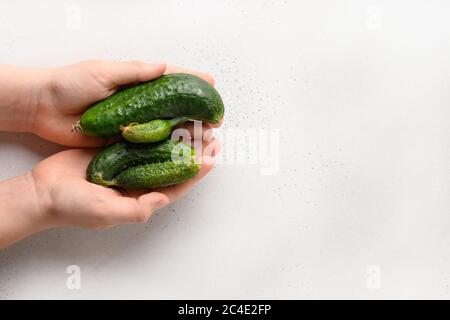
(68, 91)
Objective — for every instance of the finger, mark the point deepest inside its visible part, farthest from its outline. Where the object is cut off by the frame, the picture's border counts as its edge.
(120, 210)
(133, 193)
(194, 130)
(117, 73)
(176, 69)
(206, 149)
(155, 200)
(77, 140)
(61, 131)
(143, 195)
(176, 192)
(217, 125)
(73, 162)
(212, 148)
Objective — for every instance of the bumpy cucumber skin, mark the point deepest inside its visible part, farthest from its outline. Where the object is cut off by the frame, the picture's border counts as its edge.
(152, 131)
(155, 175)
(111, 161)
(169, 96)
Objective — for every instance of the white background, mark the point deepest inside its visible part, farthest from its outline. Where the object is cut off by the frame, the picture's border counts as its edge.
(359, 92)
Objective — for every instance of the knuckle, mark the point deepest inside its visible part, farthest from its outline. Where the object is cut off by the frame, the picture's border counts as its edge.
(101, 214)
(142, 217)
(137, 64)
(138, 67)
(91, 61)
(210, 79)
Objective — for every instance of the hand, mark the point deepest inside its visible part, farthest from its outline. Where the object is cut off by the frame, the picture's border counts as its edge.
(56, 194)
(67, 199)
(58, 96)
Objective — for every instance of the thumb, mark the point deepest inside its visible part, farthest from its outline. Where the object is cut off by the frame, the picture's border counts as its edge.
(154, 200)
(120, 210)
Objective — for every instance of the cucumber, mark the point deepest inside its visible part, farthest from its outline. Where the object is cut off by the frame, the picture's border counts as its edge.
(170, 96)
(155, 175)
(155, 130)
(171, 163)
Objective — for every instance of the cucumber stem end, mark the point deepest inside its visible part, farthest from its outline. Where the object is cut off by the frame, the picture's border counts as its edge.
(77, 127)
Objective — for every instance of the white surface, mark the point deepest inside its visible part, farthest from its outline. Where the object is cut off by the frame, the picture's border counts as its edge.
(360, 93)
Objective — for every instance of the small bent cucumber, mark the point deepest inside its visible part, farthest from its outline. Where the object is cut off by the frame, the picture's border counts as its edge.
(153, 131)
(145, 165)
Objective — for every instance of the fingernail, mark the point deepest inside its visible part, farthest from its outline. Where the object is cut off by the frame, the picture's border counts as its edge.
(217, 146)
(208, 134)
(158, 64)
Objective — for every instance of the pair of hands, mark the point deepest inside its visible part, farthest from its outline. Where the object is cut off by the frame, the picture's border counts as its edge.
(53, 100)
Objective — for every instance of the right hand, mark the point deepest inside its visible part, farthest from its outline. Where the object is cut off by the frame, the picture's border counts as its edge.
(66, 198)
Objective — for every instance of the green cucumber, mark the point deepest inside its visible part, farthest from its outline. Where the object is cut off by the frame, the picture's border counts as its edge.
(155, 175)
(170, 96)
(109, 163)
(155, 130)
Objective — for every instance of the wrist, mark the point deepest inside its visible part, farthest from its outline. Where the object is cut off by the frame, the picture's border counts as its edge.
(20, 97)
(21, 214)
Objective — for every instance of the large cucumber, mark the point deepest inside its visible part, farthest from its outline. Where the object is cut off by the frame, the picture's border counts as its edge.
(170, 96)
(131, 166)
